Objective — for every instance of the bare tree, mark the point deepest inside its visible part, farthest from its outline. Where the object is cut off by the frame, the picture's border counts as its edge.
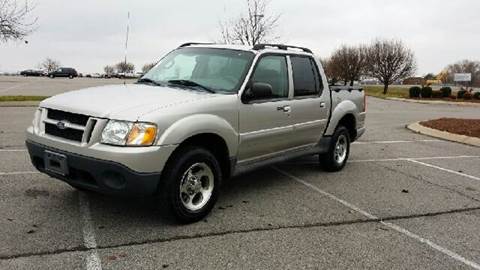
(465, 66)
(123, 67)
(15, 21)
(256, 26)
(49, 65)
(389, 61)
(146, 68)
(347, 64)
(109, 70)
(332, 71)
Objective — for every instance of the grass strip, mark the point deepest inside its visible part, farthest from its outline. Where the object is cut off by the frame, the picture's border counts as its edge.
(22, 98)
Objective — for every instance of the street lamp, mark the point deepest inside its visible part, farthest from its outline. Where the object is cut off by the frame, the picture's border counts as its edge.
(257, 19)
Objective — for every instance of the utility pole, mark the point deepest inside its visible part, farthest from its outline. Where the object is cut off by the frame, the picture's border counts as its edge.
(257, 17)
(126, 48)
(126, 40)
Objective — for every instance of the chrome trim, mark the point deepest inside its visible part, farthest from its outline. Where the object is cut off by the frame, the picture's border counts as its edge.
(66, 124)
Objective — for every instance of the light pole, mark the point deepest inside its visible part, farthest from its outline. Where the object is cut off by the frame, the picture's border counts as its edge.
(257, 17)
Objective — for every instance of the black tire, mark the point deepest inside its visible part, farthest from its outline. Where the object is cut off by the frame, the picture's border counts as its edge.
(51, 76)
(170, 201)
(70, 76)
(328, 161)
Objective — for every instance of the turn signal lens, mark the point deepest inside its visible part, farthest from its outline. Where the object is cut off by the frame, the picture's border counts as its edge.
(142, 134)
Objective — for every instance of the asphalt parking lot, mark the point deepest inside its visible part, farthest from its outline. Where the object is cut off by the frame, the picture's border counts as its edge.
(404, 201)
(44, 86)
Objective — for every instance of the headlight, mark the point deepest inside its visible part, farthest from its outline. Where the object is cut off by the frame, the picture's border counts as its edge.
(128, 133)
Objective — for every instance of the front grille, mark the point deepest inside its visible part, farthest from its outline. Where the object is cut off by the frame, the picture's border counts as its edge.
(73, 118)
(68, 133)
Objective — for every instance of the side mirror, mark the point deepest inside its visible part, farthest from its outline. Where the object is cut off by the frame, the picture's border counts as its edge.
(258, 90)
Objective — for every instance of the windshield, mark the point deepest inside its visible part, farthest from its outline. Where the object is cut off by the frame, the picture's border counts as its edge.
(220, 70)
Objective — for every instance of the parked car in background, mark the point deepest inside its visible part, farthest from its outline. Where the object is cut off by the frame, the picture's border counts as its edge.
(64, 72)
(32, 72)
(128, 75)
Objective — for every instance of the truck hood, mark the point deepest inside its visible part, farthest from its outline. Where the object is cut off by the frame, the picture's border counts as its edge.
(111, 100)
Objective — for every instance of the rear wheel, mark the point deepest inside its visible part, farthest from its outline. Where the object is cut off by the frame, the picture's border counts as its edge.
(70, 76)
(52, 76)
(190, 184)
(339, 149)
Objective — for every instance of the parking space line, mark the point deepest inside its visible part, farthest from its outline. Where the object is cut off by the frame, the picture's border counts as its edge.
(392, 226)
(384, 160)
(394, 142)
(408, 159)
(13, 150)
(444, 169)
(18, 173)
(92, 260)
(4, 90)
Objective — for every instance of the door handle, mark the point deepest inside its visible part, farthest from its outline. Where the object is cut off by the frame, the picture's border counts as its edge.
(322, 104)
(285, 109)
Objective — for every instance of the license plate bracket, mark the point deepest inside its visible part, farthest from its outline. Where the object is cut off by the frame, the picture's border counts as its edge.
(56, 163)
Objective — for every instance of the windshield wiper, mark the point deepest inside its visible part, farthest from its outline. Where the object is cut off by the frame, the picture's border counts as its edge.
(191, 84)
(147, 80)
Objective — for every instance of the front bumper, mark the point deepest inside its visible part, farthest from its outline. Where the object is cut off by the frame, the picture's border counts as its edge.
(98, 175)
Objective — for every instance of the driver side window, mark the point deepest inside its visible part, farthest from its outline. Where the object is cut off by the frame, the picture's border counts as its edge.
(272, 70)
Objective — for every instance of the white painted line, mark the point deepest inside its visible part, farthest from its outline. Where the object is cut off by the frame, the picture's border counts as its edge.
(408, 159)
(392, 226)
(18, 173)
(92, 260)
(445, 170)
(13, 150)
(385, 160)
(394, 142)
(449, 157)
(14, 87)
(437, 247)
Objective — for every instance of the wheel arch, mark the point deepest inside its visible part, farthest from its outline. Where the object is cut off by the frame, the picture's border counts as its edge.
(213, 143)
(344, 114)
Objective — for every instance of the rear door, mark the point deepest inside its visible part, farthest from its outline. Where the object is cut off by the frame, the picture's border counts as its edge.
(310, 106)
(264, 125)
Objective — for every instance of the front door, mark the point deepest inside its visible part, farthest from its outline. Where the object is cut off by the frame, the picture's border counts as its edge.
(265, 126)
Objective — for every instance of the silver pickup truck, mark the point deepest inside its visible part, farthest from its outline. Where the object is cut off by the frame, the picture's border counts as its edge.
(203, 114)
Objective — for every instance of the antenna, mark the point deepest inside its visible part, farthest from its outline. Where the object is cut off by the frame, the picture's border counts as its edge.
(126, 46)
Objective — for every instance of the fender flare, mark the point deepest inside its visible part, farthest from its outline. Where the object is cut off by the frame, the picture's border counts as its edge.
(197, 124)
(342, 109)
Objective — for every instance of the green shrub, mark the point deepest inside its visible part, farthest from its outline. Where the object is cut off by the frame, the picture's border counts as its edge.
(461, 93)
(467, 96)
(437, 94)
(414, 91)
(426, 92)
(476, 95)
(446, 91)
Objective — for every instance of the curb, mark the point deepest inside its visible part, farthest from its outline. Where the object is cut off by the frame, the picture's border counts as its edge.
(19, 103)
(436, 102)
(416, 127)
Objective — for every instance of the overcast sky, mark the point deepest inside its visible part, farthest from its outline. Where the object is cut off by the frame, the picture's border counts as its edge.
(90, 34)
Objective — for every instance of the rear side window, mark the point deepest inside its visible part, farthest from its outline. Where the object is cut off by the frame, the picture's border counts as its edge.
(306, 79)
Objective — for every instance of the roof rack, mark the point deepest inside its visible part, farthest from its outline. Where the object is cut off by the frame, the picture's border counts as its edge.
(280, 46)
(194, 43)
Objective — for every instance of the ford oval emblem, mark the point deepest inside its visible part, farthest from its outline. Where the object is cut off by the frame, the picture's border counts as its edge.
(61, 125)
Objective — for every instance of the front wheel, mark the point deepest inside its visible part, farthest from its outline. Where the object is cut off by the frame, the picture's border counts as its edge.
(336, 157)
(190, 184)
